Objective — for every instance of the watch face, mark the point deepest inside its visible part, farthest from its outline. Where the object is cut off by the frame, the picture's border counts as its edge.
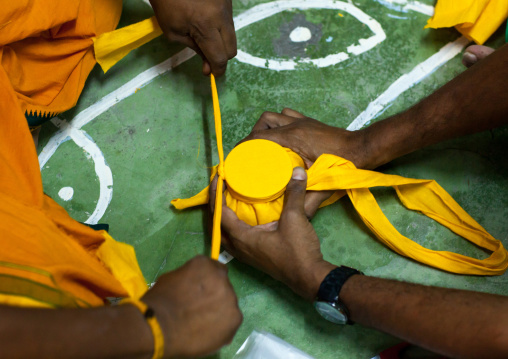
(330, 313)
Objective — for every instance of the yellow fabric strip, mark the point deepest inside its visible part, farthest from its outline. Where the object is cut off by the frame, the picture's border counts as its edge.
(426, 196)
(121, 260)
(151, 319)
(475, 19)
(20, 301)
(217, 214)
(113, 46)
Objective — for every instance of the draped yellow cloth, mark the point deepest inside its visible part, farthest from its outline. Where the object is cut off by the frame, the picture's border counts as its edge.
(475, 19)
(330, 172)
(47, 259)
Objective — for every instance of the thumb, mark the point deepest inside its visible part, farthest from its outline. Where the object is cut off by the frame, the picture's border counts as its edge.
(294, 199)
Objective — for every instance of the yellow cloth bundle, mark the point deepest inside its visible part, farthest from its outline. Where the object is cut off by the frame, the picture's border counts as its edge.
(330, 172)
(475, 19)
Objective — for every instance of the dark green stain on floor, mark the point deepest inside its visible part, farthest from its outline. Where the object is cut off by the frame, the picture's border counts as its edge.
(160, 143)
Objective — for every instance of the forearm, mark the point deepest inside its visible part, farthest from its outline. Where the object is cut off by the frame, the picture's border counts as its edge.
(474, 101)
(452, 322)
(107, 332)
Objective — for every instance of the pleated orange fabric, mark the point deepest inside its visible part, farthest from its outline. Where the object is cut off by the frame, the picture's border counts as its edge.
(46, 49)
(47, 258)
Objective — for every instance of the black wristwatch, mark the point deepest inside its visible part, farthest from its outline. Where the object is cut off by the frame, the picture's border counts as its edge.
(327, 302)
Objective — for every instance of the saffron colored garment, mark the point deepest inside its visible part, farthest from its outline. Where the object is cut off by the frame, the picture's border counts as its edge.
(46, 49)
(330, 172)
(47, 259)
(475, 19)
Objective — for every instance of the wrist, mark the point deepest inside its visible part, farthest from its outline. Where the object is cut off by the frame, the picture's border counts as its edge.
(312, 278)
(353, 146)
(373, 151)
(132, 321)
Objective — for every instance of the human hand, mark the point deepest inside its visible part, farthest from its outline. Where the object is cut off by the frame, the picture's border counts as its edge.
(288, 250)
(196, 308)
(310, 138)
(206, 26)
(313, 199)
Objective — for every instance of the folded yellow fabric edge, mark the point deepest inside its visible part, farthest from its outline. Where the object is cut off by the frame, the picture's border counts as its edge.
(475, 19)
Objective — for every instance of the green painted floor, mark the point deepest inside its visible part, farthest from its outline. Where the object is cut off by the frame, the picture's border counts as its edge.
(160, 142)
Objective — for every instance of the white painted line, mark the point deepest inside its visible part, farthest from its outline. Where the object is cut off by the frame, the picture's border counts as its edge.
(130, 88)
(101, 169)
(406, 81)
(266, 10)
(72, 130)
(405, 6)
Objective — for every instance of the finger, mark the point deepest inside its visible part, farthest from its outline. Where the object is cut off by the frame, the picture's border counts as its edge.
(190, 43)
(293, 113)
(213, 194)
(475, 53)
(207, 70)
(185, 40)
(313, 200)
(294, 198)
(277, 135)
(269, 120)
(269, 227)
(229, 39)
(210, 43)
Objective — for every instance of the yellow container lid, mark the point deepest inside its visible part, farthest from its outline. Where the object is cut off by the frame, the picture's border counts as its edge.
(258, 171)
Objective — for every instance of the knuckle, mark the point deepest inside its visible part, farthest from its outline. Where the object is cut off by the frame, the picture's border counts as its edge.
(298, 131)
(221, 61)
(292, 214)
(296, 187)
(266, 115)
(255, 135)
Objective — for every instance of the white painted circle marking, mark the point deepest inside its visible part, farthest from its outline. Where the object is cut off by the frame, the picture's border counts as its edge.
(300, 34)
(66, 193)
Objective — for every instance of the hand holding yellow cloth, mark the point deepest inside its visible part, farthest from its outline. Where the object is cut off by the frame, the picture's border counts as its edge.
(330, 172)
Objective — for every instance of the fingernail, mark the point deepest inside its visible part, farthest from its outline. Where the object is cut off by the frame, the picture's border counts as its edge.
(469, 58)
(299, 173)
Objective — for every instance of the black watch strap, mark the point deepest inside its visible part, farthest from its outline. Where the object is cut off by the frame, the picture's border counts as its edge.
(331, 286)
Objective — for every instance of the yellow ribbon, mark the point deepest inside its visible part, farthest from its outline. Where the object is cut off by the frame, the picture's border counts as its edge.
(217, 214)
(426, 196)
(113, 46)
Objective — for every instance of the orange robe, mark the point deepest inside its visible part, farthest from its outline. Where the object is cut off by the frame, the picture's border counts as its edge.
(46, 48)
(47, 258)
